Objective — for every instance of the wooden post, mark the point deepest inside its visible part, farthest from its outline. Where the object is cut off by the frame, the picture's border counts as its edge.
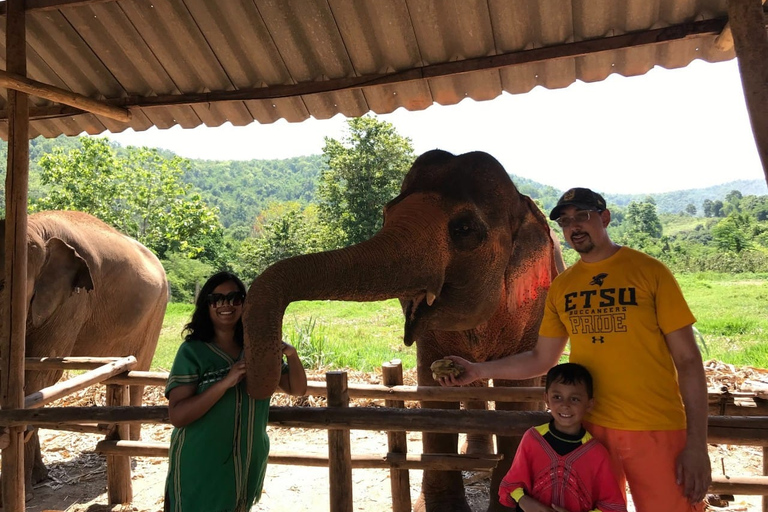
(15, 293)
(392, 373)
(765, 473)
(339, 447)
(751, 43)
(119, 488)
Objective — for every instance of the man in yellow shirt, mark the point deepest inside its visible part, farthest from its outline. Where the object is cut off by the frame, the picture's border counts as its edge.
(629, 325)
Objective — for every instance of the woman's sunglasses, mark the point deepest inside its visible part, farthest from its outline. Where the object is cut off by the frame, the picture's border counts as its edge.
(217, 300)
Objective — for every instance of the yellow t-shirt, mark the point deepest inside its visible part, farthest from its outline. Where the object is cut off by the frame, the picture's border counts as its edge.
(616, 313)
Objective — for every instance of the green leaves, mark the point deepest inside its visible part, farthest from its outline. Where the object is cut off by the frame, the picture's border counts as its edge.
(364, 172)
(141, 194)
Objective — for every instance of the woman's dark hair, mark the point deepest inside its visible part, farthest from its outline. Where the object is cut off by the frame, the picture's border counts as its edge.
(200, 327)
(569, 373)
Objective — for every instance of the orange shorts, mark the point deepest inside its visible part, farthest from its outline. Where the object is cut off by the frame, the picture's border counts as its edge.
(647, 459)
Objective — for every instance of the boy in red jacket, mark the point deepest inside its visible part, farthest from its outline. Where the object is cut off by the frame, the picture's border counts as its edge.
(559, 466)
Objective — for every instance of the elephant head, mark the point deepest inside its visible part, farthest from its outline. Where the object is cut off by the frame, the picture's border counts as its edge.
(55, 271)
(459, 247)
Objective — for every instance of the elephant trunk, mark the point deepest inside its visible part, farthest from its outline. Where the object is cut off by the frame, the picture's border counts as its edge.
(403, 260)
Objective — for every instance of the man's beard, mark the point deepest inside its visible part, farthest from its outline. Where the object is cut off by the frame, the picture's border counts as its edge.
(585, 246)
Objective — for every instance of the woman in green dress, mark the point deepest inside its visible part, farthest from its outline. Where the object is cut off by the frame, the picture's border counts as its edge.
(219, 448)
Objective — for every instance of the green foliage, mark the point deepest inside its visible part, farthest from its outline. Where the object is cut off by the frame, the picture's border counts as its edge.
(641, 218)
(365, 171)
(242, 189)
(141, 194)
(185, 276)
(310, 342)
(329, 334)
(734, 233)
(281, 231)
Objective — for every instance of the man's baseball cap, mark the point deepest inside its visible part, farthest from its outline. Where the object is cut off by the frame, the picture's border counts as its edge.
(581, 198)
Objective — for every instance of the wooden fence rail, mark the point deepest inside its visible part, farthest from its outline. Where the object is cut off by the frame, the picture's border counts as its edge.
(748, 428)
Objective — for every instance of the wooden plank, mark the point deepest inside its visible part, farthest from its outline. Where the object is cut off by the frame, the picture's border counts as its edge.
(722, 429)
(448, 462)
(751, 43)
(66, 363)
(20, 82)
(48, 5)
(64, 388)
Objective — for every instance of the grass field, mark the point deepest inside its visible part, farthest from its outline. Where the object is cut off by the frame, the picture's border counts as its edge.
(731, 313)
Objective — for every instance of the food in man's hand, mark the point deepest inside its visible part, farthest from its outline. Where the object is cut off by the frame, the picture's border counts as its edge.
(444, 368)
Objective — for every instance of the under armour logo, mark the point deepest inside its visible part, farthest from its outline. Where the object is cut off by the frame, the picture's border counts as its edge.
(598, 279)
(595, 339)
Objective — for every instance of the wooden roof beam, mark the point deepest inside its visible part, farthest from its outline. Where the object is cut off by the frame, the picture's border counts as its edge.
(49, 5)
(50, 92)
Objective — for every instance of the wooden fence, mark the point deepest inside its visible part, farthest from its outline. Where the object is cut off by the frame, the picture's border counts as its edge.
(735, 419)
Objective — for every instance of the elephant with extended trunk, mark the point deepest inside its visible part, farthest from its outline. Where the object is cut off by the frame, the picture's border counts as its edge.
(91, 291)
(471, 260)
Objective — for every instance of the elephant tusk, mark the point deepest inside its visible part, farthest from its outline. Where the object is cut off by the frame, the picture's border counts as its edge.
(430, 298)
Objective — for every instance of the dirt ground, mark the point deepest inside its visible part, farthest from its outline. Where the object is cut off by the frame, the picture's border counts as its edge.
(77, 480)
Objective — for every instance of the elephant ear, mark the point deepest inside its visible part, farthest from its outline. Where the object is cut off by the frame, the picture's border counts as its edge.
(533, 261)
(64, 273)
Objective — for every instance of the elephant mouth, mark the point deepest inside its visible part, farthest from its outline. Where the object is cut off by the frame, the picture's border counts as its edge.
(415, 311)
(412, 321)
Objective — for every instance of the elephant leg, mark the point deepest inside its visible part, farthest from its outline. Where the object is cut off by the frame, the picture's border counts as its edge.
(507, 445)
(441, 491)
(477, 444)
(33, 460)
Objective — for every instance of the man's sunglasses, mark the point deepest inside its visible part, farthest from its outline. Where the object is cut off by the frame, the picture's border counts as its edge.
(217, 300)
(578, 217)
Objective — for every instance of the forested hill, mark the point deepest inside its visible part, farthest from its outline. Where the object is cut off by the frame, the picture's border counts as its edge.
(241, 189)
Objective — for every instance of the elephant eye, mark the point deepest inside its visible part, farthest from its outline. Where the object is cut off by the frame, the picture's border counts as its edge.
(467, 231)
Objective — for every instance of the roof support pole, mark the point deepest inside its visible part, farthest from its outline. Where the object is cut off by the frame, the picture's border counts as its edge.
(751, 43)
(14, 312)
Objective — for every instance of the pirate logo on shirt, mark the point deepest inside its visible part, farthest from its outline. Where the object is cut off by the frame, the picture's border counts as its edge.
(598, 279)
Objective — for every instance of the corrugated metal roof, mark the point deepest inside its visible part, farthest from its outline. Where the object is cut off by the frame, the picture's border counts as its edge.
(128, 49)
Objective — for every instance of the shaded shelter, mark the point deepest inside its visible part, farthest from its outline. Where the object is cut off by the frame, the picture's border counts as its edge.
(76, 66)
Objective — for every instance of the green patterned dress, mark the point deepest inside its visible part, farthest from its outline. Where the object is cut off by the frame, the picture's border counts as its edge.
(217, 463)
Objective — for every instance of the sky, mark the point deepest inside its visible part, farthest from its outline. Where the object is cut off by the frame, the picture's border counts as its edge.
(662, 131)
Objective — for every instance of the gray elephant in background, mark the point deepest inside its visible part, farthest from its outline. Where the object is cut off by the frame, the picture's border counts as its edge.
(469, 258)
(91, 291)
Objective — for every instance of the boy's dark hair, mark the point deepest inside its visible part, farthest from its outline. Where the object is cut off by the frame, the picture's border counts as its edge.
(569, 373)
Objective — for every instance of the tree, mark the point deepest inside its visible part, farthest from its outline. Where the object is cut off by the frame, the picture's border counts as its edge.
(707, 205)
(690, 209)
(642, 218)
(364, 172)
(140, 194)
(281, 231)
(717, 208)
(734, 233)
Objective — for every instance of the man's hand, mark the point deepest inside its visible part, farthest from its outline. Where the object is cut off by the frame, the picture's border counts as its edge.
(694, 472)
(533, 505)
(468, 376)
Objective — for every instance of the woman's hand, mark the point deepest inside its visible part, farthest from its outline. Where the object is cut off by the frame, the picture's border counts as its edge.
(235, 375)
